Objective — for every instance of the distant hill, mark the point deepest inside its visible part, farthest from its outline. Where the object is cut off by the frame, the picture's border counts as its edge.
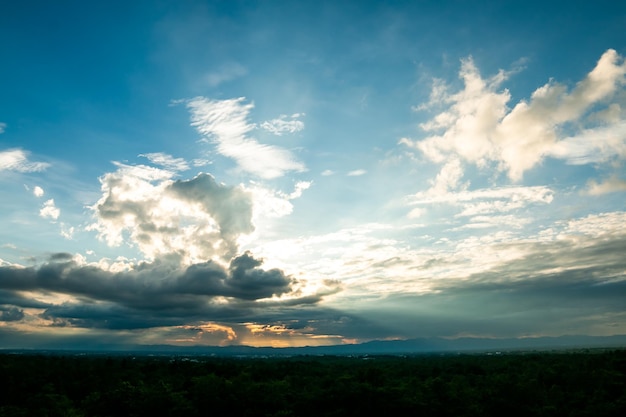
(376, 347)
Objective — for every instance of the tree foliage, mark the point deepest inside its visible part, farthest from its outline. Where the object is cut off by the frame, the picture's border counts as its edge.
(537, 384)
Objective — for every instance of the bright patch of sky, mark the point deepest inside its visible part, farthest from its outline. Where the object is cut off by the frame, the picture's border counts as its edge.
(298, 173)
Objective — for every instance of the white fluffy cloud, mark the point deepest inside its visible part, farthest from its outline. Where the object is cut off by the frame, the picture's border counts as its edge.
(187, 220)
(17, 160)
(225, 123)
(38, 191)
(479, 128)
(49, 210)
(270, 203)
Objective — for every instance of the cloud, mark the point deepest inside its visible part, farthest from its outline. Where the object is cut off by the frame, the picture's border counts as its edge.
(200, 162)
(483, 222)
(566, 279)
(485, 201)
(593, 146)
(49, 210)
(226, 72)
(357, 173)
(230, 207)
(284, 124)
(198, 334)
(11, 314)
(150, 294)
(17, 160)
(611, 185)
(249, 282)
(603, 225)
(38, 191)
(225, 123)
(328, 172)
(448, 178)
(269, 203)
(478, 128)
(167, 161)
(563, 303)
(186, 220)
(289, 333)
(300, 187)
(67, 232)
(416, 213)
(3, 127)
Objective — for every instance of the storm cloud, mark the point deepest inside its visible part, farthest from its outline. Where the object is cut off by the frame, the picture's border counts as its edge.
(149, 294)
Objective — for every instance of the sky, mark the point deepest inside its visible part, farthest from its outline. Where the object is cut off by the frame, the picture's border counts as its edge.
(290, 173)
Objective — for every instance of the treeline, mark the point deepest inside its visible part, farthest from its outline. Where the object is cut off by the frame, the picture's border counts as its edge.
(538, 384)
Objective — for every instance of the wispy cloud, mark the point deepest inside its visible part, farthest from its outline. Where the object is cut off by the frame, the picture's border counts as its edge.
(225, 123)
(487, 200)
(357, 173)
(225, 73)
(200, 162)
(167, 161)
(67, 231)
(3, 127)
(17, 160)
(597, 145)
(284, 124)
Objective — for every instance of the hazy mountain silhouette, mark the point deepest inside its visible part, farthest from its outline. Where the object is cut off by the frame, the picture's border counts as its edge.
(376, 347)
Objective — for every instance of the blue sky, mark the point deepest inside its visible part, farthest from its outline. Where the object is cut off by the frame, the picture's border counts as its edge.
(305, 173)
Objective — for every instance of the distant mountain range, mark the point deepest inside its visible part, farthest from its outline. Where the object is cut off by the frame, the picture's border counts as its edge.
(377, 347)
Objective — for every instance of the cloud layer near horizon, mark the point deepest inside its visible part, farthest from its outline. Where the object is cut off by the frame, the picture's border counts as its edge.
(148, 294)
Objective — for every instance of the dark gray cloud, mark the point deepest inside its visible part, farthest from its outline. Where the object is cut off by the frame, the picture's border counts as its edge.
(60, 257)
(11, 297)
(231, 206)
(249, 282)
(151, 294)
(11, 314)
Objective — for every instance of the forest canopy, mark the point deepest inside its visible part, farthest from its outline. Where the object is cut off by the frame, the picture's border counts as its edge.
(537, 384)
